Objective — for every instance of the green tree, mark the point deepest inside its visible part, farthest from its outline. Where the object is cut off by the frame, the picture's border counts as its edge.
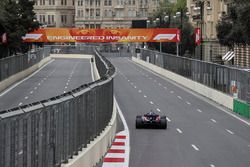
(170, 9)
(234, 28)
(18, 19)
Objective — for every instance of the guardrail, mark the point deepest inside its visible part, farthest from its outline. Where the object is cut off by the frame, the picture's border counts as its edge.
(232, 81)
(50, 132)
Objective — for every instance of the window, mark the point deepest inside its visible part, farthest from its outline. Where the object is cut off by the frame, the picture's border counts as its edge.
(42, 18)
(105, 2)
(73, 2)
(110, 2)
(64, 19)
(51, 2)
(42, 2)
(51, 19)
(97, 12)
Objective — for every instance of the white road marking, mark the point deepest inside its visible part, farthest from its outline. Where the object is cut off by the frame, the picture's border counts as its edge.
(229, 131)
(179, 97)
(197, 95)
(128, 80)
(172, 92)
(155, 81)
(146, 75)
(41, 80)
(44, 78)
(150, 78)
(64, 91)
(249, 145)
(67, 84)
(68, 80)
(26, 97)
(195, 147)
(135, 87)
(145, 96)
(165, 87)
(132, 83)
(188, 103)
(139, 91)
(158, 110)
(35, 88)
(159, 84)
(20, 104)
(31, 92)
(212, 165)
(168, 119)
(213, 120)
(39, 84)
(199, 110)
(66, 87)
(179, 131)
(151, 102)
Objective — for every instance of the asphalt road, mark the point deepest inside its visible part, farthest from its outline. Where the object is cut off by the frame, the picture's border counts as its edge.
(56, 78)
(199, 134)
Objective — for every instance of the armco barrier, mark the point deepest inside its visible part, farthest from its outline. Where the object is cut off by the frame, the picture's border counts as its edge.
(242, 108)
(50, 132)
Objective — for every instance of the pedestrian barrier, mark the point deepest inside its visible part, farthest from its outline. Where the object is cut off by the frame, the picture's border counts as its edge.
(50, 132)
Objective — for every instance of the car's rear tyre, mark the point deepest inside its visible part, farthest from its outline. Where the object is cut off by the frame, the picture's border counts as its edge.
(138, 122)
(163, 123)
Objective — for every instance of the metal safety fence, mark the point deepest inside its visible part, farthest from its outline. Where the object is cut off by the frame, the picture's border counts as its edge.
(47, 133)
(230, 80)
(14, 64)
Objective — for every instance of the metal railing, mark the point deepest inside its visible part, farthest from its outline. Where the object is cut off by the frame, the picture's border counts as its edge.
(14, 64)
(230, 80)
(49, 132)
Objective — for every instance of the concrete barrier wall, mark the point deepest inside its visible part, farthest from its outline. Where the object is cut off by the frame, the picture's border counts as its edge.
(210, 93)
(19, 76)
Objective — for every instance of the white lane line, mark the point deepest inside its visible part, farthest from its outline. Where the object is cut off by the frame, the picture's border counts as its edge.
(31, 92)
(168, 119)
(35, 88)
(26, 97)
(178, 130)
(67, 84)
(45, 78)
(64, 91)
(139, 91)
(39, 84)
(69, 80)
(165, 87)
(132, 83)
(229, 131)
(20, 104)
(150, 78)
(158, 110)
(135, 87)
(66, 87)
(179, 97)
(41, 80)
(213, 120)
(145, 96)
(172, 92)
(159, 84)
(188, 103)
(195, 147)
(151, 102)
(128, 80)
(146, 75)
(248, 145)
(155, 81)
(199, 110)
(212, 165)
(197, 95)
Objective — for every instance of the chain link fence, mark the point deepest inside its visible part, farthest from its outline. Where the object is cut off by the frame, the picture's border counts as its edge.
(14, 64)
(47, 133)
(232, 81)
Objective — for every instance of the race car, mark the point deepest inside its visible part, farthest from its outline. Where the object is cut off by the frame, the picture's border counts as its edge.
(151, 120)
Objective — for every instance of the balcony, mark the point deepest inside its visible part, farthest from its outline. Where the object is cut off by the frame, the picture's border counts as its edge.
(143, 6)
(119, 7)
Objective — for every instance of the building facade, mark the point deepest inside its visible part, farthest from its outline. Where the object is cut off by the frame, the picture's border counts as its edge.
(112, 13)
(55, 13)
(206, 14)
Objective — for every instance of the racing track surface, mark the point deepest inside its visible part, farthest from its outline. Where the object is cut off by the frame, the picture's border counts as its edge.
(55, 78)
(199, 134)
